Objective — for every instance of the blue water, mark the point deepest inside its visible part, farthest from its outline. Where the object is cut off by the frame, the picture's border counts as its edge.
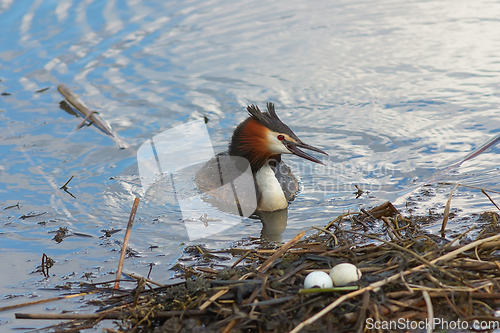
(393, 91)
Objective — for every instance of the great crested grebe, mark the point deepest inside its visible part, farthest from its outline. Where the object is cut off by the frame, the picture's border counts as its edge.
(262, 139)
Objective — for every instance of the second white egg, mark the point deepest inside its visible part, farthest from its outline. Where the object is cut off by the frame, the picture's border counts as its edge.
(345, 273)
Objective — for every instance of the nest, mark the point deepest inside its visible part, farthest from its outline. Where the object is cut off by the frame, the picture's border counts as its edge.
(410, 277)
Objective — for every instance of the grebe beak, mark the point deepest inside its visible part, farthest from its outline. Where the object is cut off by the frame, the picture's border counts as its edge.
(293, 147)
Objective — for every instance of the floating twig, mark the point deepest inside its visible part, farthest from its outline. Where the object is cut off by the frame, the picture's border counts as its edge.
(66, 184)
(42, 90)
(359, 192)
(32, 214)
(493, 202)
(47, 263)
(88, 114)
(83, 316)
(65, 188)
(12, 206)
(11, 307)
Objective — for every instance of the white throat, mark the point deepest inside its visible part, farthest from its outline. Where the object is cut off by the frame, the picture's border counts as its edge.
(271, 196)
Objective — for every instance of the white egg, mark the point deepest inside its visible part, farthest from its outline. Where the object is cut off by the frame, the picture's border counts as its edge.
(345, 273)
(318, 279)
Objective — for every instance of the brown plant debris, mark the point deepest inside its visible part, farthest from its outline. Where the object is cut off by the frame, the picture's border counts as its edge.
(408, 275)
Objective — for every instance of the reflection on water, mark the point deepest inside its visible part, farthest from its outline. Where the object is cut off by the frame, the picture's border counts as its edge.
(393, 91)
(273, 224)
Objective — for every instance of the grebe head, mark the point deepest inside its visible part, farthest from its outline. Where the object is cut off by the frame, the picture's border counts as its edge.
(263, 135)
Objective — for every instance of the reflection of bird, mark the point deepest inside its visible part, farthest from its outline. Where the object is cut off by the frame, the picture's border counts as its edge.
(261, 139)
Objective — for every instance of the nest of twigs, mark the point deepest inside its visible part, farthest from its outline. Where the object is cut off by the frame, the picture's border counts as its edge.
(409, 276)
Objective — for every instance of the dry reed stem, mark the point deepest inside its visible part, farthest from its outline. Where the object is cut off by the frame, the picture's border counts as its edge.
(261, 269)
(447, 211)
(471, 186)
(337, 219)
(125, 242)
(220, 293)
(111, 315)
(430, 310)
(493, 202)
(138, 277)
(280, 252)
(10, 307)
(240, 259)
(66, 184)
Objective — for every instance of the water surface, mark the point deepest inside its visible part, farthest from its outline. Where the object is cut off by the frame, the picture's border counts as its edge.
(394, 91)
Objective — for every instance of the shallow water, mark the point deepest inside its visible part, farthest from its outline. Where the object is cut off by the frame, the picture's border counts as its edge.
(393, 91)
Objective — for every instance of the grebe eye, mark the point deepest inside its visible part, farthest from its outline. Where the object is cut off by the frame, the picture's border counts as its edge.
(281, 137)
